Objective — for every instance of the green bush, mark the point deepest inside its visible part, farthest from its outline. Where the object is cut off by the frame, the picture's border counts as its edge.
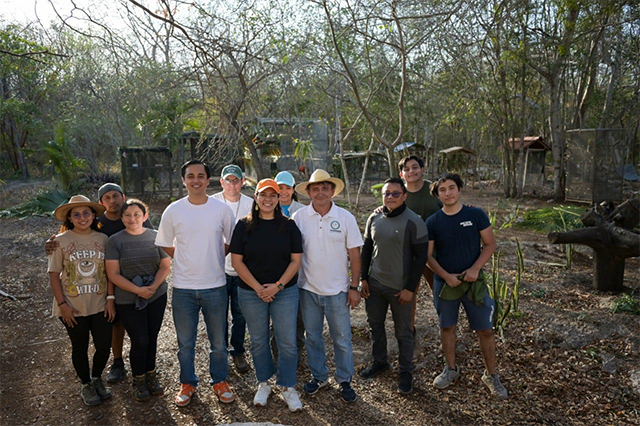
(626, 303)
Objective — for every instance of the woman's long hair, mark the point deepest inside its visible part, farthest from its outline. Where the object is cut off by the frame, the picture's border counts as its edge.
(253, 219)
(68, 225)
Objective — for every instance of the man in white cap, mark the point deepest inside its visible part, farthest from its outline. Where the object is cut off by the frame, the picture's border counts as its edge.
(232, 181)
(331, 245)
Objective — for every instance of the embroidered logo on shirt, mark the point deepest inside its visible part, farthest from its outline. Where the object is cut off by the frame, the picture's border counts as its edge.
(335, 226)
(466, 223)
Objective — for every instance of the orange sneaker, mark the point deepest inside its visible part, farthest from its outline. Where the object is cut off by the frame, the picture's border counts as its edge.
(183, 398)
(224, 392)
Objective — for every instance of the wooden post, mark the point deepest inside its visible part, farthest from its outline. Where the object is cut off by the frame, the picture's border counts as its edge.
(608, 271)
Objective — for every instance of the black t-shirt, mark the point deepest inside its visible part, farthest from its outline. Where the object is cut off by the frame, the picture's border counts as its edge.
(266, 251)
(110, 227)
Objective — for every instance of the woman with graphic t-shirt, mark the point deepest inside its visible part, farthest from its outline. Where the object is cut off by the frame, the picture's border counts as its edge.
(266, 252)
(139, 268)
(83, 298)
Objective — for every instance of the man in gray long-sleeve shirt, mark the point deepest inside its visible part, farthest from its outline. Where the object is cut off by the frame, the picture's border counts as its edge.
(393, 257)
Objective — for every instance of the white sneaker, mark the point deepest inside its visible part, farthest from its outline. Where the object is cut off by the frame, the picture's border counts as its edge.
(262, 394)
(292, 399)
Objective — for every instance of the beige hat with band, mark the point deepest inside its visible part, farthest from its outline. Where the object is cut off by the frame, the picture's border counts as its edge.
(318, 176)
(77, 201)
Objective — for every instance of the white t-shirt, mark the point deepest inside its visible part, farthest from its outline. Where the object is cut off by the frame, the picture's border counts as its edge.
(325, 241)
(240, 209)
(198, 233)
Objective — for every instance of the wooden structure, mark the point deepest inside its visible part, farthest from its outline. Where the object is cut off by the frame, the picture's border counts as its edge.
(535, 152)
(458, 159)
(609, 232)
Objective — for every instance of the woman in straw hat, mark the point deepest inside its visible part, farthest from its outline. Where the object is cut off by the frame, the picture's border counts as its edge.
(83, 298)
(266, 252)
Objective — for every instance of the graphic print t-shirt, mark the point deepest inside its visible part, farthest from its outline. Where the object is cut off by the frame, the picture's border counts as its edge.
(80, 261)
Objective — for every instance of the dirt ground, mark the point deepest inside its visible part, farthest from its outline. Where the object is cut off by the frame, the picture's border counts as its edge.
(565, 359)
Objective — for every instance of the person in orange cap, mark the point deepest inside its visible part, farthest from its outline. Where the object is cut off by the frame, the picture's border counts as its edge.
(266, 252)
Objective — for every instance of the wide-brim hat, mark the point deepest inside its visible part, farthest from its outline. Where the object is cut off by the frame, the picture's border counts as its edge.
(77, 201)
(318, 176)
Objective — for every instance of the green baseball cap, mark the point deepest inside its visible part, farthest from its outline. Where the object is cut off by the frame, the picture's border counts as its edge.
(232, 169)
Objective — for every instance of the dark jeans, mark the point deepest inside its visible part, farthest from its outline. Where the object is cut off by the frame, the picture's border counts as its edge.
(100, 329)
(143, 327)
(380, 299)
(238, 324)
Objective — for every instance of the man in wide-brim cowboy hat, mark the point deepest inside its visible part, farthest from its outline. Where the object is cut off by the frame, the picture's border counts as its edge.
(331, 243)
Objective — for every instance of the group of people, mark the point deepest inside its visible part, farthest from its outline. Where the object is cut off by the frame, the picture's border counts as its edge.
(281, 268)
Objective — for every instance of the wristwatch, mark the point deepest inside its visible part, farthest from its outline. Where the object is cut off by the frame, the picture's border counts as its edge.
(358, 289)
(280, 285)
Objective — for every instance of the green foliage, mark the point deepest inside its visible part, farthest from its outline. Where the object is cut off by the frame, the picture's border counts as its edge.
(59, 155)
(375, 189)
(560, 218)
(42, 204)
(626, 303)
(506, 297)
(304, 149)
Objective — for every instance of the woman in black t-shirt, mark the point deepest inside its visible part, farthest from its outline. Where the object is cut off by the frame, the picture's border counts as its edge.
(266, 252)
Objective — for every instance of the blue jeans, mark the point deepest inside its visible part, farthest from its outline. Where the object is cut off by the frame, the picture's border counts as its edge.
(315, 308)
(282, 312)
(238, 323)
(186, 306)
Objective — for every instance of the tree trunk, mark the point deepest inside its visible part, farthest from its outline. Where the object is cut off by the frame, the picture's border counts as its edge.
(608, 271)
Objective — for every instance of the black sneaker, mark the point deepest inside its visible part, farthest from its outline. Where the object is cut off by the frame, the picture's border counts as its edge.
(405, 383)
(348, 394)
(314, 386)
(241, 363)
(153, 385)
(89, 395)
(373, 370)
(116, 372)
(140, 390)
(102, 391)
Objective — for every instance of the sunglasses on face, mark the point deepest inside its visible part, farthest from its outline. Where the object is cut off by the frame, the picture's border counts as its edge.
(394, 194)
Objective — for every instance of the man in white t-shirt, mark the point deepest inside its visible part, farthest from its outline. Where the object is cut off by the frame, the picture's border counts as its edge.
(232, 181)
(331, 243)
(195, 231)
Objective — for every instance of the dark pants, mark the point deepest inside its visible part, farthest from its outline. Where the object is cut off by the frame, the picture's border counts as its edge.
(100, 330)
(143, 327)
(238, 323)
(380, 299)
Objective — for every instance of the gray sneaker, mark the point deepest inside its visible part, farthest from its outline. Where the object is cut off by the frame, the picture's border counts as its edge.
(89, 395)
(493, 383)
(447, 377)
(101, 390)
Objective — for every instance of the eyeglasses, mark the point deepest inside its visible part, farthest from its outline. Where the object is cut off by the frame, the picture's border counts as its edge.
(232, 181)
(86, 213)
(394, 194)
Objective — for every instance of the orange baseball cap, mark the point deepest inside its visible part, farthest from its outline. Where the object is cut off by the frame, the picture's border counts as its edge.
(267, 183)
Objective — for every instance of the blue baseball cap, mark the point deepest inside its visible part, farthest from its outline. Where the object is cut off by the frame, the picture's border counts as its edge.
(285, 178)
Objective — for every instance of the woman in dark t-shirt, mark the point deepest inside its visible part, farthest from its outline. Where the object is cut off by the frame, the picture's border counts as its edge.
(266, 252)
(139, 268)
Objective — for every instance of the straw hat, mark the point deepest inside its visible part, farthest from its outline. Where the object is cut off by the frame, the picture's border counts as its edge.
(318, 176)
(77, 201)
